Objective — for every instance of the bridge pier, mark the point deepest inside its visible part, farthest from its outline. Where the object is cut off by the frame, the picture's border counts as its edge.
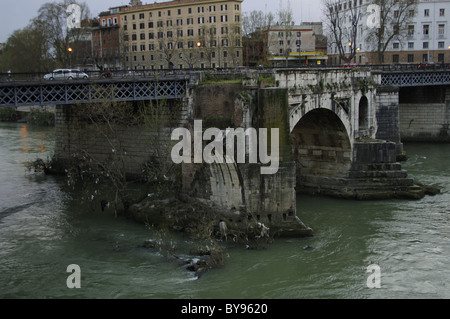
(425, 114)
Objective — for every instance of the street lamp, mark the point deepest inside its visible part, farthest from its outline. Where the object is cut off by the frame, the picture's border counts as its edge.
(70, 50)
(199, 44)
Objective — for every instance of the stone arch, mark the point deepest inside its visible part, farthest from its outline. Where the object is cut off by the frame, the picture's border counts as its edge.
(322, 148)
(363, 117)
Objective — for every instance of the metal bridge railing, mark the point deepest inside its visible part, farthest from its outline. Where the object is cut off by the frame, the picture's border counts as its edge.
(75, 92)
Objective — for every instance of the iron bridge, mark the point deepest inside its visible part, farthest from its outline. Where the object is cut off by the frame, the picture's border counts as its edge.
(16, 94)
(415, 78)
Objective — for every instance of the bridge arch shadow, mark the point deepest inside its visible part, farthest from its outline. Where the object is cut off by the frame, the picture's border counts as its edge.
(321, 147)
(364, 115)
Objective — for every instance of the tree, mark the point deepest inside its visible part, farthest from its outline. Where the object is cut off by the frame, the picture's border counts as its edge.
(395, 16)
(52, 23)
(26, 51)
(255, 26)
(342, 28)
(286, 23)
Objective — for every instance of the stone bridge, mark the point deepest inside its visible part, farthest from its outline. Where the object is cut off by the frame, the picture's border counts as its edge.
(339, 136)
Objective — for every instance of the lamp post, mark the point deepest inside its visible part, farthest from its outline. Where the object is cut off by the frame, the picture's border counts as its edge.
(199, 44)
(70, 50)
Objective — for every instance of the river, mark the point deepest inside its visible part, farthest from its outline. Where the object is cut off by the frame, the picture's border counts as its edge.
(43, 230)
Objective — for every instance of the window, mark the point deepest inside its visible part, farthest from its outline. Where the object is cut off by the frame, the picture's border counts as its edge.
(441, 29)
(212, 19)
(190, 33)
(441, 45)
(224, 7)
(142, 47)
(150, 25)
(396, 45)
(151, 47)
(142, 26)
(115, 21)
(426, 29)
(141, 16)
(441, 57)
(151, 35)
(411, 30)
(201, 20)
(224, 18)
(410, 58)
(190, 21)
(142, 36)
(169, 23)
(134, 37)
(442, 12)
(179, 11)
(201, 9)
(395, 58)
(425, 45)
(410, 45)
(426, 13)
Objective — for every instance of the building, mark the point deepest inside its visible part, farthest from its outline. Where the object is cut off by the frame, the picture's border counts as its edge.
(107, 40)
(296, 45)
(182, 34)
(425, 37)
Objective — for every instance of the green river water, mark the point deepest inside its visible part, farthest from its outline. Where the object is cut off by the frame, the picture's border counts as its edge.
(43, 230)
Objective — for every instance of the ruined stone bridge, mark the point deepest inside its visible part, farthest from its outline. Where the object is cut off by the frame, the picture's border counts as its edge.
(339, 136)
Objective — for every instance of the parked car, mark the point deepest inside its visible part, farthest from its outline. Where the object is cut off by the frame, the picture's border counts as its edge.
(65, 74)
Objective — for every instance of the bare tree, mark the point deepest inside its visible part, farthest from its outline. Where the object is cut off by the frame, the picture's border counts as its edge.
(286, 23)
(52, 23)
(255, 27)
(395, 16)
(342, 27)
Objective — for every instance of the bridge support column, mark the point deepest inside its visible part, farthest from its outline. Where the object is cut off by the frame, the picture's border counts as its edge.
(388, 116)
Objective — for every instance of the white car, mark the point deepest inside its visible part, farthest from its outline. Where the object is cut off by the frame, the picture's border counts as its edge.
(66, 74)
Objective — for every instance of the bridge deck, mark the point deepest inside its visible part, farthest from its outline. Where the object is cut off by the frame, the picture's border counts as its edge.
(88, 91)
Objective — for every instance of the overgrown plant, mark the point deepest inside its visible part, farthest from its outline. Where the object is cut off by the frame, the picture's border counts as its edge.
(109, 136)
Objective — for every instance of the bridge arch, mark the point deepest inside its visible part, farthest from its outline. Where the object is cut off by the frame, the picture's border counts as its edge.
(322, 148)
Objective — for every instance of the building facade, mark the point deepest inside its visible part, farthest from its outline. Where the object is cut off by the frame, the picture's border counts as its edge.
(182, 34)
(107, 40)
(424, 37)
(296, 45)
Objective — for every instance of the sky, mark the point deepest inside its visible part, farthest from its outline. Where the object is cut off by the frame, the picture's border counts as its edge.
(16, 14)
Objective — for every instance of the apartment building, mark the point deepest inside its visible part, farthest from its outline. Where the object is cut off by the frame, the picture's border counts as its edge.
(296, 44)
(107, 40)
(182, 34)
(425, 37)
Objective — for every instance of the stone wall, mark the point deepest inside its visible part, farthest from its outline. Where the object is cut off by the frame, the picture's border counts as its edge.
(425, 114)
(425, 122)
(388, 116)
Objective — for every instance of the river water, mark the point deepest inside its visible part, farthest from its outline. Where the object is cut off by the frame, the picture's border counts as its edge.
(43, 230)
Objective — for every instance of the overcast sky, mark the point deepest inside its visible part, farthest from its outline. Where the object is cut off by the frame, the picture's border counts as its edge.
(16, 14)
